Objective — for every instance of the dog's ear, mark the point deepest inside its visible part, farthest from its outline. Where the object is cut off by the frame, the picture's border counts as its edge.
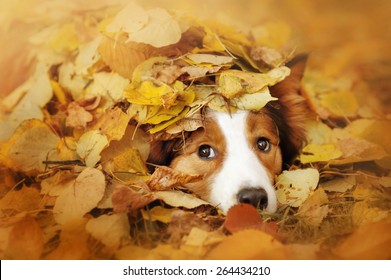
(290, 109)
(161, 153)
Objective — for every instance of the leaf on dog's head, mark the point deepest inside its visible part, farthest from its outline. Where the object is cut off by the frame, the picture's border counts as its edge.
(234, 82)
(294, 187)
(165, 178)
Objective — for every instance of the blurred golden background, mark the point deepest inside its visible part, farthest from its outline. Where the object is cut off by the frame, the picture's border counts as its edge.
(345, 38)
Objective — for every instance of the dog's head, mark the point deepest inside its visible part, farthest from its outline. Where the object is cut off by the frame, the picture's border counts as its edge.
(239, 154)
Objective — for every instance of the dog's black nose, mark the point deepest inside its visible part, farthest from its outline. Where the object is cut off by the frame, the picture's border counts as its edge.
(253, 196)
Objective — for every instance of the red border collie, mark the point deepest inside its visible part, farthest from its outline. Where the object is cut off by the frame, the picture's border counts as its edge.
(240, 154)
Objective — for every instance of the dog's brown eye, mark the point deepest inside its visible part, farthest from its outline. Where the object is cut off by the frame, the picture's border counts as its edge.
(263, 144)
(206, 152)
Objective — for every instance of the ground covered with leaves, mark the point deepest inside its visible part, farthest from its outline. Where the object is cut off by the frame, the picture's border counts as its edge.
(86, 88)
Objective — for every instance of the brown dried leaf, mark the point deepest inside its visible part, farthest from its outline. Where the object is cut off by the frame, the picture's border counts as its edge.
(78, 116)
(245, 216)
(315, 208)
(165, 178)
(125, 199)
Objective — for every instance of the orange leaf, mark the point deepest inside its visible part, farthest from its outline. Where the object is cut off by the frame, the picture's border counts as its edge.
(248, 244)
(244, 216)
(25, 240)
(370, 241)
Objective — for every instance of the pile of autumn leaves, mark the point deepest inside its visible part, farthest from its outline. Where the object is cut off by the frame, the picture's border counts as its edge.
(75, 140)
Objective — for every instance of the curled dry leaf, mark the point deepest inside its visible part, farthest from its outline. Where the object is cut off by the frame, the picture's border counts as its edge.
(315, 208)
(294, 187)
(84, 195)
(165, 178)
(125, 199)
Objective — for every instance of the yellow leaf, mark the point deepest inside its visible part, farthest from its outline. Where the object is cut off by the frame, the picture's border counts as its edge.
(233, 82)
(199, 58)
(32, 143)
(110, 86)
(113, 124)
(319, 153)
(25, 199)
(166, 124)
(179, 199)
(363, 213)
(112, 230)
(90, 145)
(150, 94)
(318, 133)
(370, 241)
(248, 245)
(294, 187)
(340, 103)
(252, 101)
(80, 197)
(158, 213)
(161, 30)
(163, 114)
(128, 161)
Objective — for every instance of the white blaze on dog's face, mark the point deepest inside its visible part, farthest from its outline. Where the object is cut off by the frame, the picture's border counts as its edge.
(238, 155)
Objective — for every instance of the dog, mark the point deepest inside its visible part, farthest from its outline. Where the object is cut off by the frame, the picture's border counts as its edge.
(240, 154)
